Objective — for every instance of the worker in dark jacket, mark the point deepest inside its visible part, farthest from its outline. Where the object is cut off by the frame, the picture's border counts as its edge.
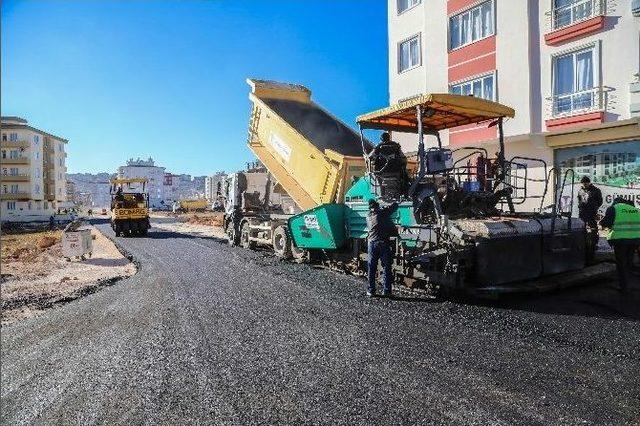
(381, 230)
(589, 201)
(622, 219)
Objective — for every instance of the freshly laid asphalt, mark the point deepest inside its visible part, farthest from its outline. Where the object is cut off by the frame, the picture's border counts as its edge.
(205, 333)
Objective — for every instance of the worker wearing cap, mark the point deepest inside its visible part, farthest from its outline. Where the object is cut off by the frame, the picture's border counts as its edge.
(589, 201)
(622, 219)
(381, 230)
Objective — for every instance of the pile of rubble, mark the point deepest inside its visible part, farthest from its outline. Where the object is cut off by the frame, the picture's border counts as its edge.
(209, 220)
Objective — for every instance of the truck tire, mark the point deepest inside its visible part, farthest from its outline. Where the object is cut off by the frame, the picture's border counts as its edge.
(233, 237)
(299, 255)
(244, 236)
(281, 242)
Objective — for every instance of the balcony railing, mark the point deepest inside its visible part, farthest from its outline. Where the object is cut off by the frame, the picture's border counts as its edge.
(15, 144)
(16, 160)
(19, 177)
(19, 195)
(577, 103)
(579, 10)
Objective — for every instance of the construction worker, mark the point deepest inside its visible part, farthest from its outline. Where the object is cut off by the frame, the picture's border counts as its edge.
(622, 219)
(589, 201)
(381, 229)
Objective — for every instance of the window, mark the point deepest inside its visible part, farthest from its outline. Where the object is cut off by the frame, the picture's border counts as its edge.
(60, 147)
(14, 189)
(11, 205)
(471, 25)
(13, 171)
(4, 154)
(13, 137)
(38, 172)
(404, 5)
(567, 12)
(482, 87)
(37, 189)
(36, 139)
(574, 82)
(14, 154)
(409, 54)
(4, 137)
(46, 205)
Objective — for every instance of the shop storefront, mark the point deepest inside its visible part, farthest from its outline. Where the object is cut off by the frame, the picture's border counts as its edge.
(608, 155)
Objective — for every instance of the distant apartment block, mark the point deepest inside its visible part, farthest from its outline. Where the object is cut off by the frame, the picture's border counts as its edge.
(70, 189)
(91, 190)
(146, 169)
(32, 171)
(569, 68)
(213, 185)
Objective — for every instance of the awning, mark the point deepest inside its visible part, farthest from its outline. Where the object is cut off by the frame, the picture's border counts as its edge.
(440, 111)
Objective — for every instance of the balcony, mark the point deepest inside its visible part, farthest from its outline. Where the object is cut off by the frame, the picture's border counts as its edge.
(19, 195)
(579, 108)
(15, 144)
(20, 177)
(577, 103)
(16, 160)
(580, 18)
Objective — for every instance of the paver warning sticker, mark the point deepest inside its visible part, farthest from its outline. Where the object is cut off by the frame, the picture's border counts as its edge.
(311, 221)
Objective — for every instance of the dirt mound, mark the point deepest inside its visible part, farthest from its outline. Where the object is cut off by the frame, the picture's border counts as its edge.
(210, 220)
(21, 253)
(46, 242)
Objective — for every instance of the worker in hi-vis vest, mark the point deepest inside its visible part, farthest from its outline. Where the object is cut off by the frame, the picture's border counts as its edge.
(622, 219)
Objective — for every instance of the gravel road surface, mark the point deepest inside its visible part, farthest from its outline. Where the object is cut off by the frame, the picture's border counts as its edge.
(209, 334)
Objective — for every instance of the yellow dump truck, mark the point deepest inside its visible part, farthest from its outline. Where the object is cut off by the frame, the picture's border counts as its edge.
(311, 156)
(194, 205)
(129, 206)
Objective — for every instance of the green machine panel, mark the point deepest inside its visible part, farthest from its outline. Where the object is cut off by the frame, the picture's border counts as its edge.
(322, 227)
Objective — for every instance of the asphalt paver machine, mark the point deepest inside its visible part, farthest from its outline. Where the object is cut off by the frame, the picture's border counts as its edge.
(456, 234)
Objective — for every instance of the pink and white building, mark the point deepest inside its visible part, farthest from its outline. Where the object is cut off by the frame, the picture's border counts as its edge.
(570, 69)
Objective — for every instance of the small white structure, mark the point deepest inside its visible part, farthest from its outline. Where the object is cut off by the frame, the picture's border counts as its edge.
(77, 243)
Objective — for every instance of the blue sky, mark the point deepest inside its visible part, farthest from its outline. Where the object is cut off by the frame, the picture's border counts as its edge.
(166, 79)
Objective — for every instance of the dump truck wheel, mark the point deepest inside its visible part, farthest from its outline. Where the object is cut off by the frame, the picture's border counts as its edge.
(244, 237)
(233, 237)
(281, 242)
(299, 254)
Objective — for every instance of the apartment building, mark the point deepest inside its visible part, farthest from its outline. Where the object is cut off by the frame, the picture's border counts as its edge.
(213, 184)
(570, 69)
(32, 171)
